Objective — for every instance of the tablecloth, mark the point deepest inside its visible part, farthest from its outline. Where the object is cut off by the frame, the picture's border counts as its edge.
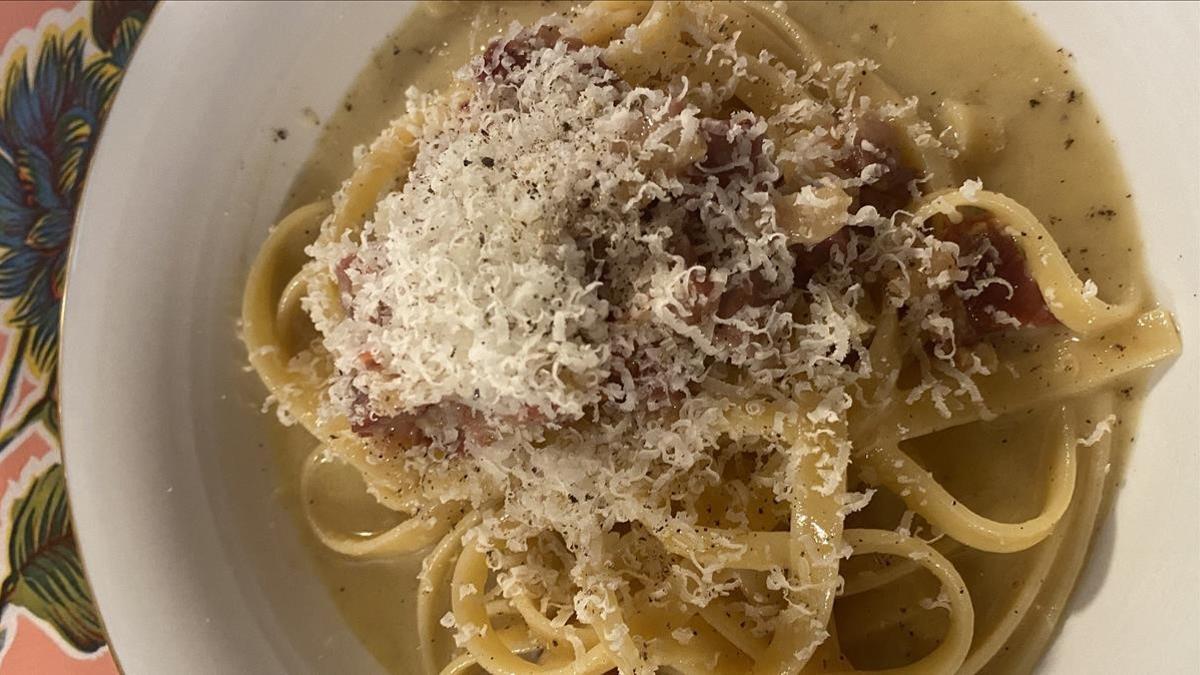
(62, 64)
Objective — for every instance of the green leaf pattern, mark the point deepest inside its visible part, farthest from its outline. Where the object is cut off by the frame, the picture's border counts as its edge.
(45, 575)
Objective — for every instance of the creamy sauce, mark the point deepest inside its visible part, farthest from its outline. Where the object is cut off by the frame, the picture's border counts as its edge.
(1056, 158)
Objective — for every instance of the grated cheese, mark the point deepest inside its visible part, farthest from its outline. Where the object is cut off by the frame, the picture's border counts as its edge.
(579, 277)
(1102, 429)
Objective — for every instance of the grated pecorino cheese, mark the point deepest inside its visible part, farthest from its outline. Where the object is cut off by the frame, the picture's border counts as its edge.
(580, 276)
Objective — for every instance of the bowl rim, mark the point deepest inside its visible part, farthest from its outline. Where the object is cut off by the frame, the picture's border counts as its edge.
(72, 253)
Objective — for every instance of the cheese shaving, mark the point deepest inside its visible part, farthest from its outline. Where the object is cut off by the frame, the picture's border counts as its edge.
(579, 277)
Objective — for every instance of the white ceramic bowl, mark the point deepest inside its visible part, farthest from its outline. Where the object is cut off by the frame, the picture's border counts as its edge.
(195, 566)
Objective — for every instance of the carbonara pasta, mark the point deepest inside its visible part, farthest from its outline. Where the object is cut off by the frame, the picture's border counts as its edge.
(637, 323)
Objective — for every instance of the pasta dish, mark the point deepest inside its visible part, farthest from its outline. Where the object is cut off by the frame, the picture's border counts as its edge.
(645, 329)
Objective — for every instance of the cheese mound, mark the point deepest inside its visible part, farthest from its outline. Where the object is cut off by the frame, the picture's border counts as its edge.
(565, 240)
(579, 276)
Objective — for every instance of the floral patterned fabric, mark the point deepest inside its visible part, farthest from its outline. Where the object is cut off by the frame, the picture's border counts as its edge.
(62, 64)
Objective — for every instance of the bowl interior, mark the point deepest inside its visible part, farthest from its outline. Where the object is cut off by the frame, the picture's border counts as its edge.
(194, 563)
